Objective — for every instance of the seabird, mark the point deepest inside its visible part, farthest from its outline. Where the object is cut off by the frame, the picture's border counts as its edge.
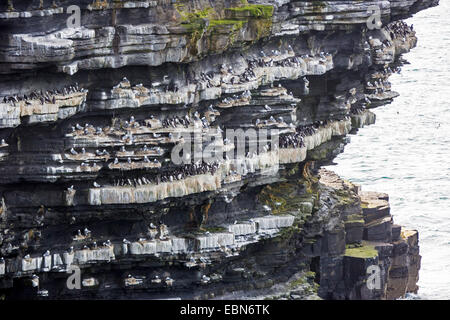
(96, 185)
(72, 151)
(169, 281)
(205, 278)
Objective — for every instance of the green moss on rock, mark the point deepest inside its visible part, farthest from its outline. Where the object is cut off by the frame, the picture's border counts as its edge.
(364, 252)
(251, 10)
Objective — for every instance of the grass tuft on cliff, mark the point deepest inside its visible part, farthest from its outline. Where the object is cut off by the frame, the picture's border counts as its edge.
(252, 10)
(364, 252)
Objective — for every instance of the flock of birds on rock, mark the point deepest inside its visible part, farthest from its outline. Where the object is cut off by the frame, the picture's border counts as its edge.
(379, 85)
(400, 29)
(47, 96)
(264, 60)
(230, 100)
(175, 175)
(296, 140)
(133, 124)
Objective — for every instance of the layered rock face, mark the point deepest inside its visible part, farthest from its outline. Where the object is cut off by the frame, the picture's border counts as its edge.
(99, 98)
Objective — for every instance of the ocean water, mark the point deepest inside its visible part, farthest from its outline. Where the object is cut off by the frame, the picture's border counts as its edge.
(407, 152)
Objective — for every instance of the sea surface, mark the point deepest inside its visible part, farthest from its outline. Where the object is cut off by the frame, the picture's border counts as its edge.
(407, 152)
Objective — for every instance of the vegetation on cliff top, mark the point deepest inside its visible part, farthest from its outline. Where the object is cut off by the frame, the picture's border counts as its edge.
(364, 251)
(252, 10)
(209, 22)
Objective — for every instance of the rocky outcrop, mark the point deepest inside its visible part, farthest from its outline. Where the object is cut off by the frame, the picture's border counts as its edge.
(95, 174)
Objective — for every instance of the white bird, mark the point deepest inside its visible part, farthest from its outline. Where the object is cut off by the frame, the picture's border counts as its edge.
(96, 185)
(72, 151)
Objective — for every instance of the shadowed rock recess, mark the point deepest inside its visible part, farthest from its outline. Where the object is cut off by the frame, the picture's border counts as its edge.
(89, 117)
